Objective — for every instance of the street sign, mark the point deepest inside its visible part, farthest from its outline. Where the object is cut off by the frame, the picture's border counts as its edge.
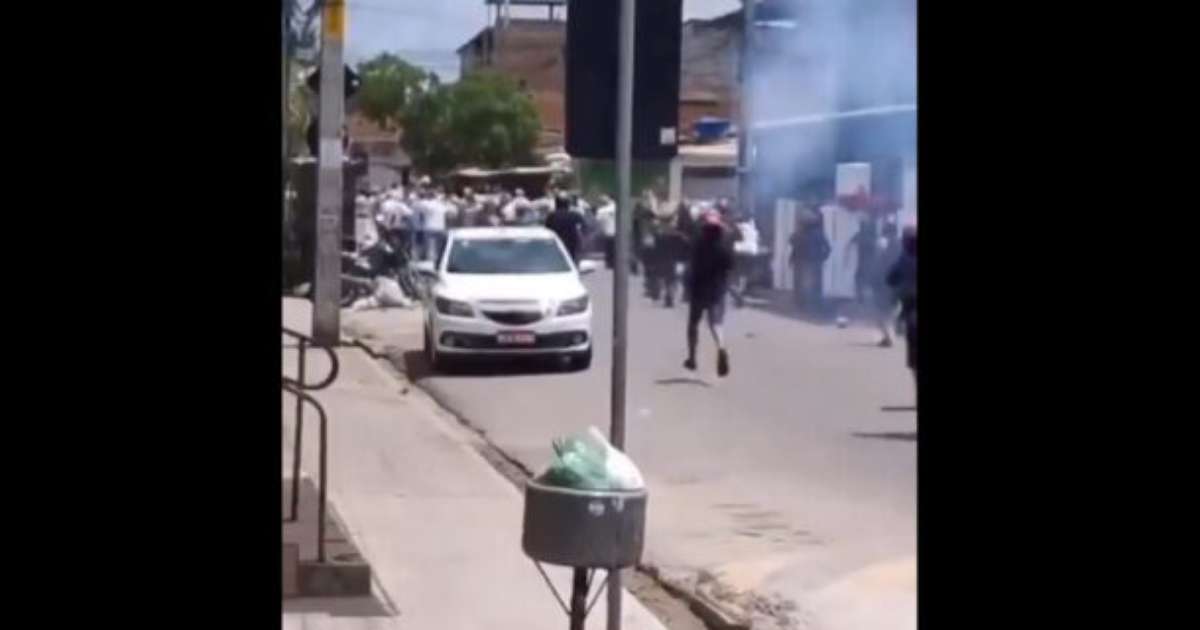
(352, 82)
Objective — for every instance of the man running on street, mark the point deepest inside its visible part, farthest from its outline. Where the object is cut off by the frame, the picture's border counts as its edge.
(708, 282)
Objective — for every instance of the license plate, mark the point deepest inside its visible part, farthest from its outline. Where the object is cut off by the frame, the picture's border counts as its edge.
(516, 339)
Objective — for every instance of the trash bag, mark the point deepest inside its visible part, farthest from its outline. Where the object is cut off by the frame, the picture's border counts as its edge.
(365, 304)
(388, 293)
(589, 462)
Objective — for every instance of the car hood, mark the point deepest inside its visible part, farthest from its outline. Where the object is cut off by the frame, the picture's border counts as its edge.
(540, 288)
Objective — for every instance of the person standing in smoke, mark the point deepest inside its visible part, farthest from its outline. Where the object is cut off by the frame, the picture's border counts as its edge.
(708, 280)
(865, 243)
(902, 278)
(810, 250)
(883, 298)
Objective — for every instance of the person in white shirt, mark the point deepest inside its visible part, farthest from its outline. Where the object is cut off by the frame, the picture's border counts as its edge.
(433, 213)
(746, 250)
(468, 208)
(396, 217)
(516, 209)
(606, 218)
(579, 205)
(364, 225)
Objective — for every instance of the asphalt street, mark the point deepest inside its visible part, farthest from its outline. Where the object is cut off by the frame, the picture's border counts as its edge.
(794, 475)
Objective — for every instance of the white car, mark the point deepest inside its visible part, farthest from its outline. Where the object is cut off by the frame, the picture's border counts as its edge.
(506, 291)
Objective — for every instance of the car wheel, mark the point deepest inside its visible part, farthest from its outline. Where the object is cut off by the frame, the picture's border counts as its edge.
(438, 362)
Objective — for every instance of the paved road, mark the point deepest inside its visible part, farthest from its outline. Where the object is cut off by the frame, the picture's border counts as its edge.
(796, 474)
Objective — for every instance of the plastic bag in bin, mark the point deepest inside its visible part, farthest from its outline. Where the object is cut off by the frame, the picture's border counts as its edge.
(588, 461)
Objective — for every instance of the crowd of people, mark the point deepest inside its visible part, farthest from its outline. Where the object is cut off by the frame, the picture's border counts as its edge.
(416, 219)
(700, 253)
(884, 273)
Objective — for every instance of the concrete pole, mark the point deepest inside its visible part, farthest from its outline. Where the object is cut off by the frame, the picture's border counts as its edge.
(624, 160)
(286, 5)
(326, 304)
(745, 144)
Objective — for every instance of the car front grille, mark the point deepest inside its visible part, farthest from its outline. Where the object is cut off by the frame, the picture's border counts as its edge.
(548, 341)
(513, 318)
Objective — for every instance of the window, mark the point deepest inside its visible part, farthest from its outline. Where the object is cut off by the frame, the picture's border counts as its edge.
(509, 255)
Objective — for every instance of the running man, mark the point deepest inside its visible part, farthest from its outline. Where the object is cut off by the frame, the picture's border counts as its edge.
(708, 282)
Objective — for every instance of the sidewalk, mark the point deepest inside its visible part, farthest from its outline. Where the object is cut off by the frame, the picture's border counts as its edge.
(440, 528)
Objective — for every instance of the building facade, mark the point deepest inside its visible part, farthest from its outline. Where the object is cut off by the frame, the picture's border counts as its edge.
(532, 51)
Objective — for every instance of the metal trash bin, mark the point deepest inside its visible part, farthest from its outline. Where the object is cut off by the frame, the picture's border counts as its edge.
(585, 530)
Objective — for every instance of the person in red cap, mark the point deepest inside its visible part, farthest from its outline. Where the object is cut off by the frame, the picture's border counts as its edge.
(708, 282)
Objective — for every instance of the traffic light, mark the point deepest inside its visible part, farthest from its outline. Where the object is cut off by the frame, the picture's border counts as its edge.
(352, 81)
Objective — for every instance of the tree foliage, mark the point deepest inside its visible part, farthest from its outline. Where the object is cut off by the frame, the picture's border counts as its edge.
(483, 119)
(389, 84)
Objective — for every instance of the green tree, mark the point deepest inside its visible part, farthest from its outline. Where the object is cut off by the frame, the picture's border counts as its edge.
(426, 132)
(484, 119)
(389, 84)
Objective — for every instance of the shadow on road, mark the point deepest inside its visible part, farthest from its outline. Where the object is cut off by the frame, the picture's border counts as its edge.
(891, 435)
(894, 408)
(682, 380)
(416, 367)
(368, 606)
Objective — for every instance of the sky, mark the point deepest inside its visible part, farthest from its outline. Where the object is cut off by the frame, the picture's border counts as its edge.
(423, 29)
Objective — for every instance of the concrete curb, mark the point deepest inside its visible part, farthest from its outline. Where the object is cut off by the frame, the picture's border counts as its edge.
(714, 614)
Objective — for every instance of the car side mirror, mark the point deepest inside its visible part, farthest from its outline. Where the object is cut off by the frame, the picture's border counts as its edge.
(587, 266)
(424, 267)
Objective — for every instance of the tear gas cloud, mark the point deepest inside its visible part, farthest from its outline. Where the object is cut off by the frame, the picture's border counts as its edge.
(816, 57)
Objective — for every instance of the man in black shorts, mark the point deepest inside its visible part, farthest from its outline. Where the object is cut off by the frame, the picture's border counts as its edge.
(903, 280)
(708, 282)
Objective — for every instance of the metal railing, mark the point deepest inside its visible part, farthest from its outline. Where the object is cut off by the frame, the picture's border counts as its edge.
(299, 388)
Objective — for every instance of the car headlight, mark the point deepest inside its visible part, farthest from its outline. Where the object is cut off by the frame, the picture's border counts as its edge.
(446, 306)
(573, 307)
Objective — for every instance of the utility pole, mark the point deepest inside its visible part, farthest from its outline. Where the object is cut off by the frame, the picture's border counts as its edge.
(624, 160)
(287, 87)
(326, 324)
(745, 143)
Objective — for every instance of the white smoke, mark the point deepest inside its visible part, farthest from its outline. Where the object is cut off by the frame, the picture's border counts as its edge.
(813, 59)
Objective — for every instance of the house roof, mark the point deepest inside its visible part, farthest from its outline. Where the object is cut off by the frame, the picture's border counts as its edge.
(526, 24)
(766, 11)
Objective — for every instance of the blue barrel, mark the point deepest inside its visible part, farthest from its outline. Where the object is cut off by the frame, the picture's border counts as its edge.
(709, 129)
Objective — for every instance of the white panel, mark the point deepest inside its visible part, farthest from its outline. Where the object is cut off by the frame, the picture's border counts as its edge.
(785, 224)
(840, 226)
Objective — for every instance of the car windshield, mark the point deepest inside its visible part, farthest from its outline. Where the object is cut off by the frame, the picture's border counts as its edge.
(506, 255)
